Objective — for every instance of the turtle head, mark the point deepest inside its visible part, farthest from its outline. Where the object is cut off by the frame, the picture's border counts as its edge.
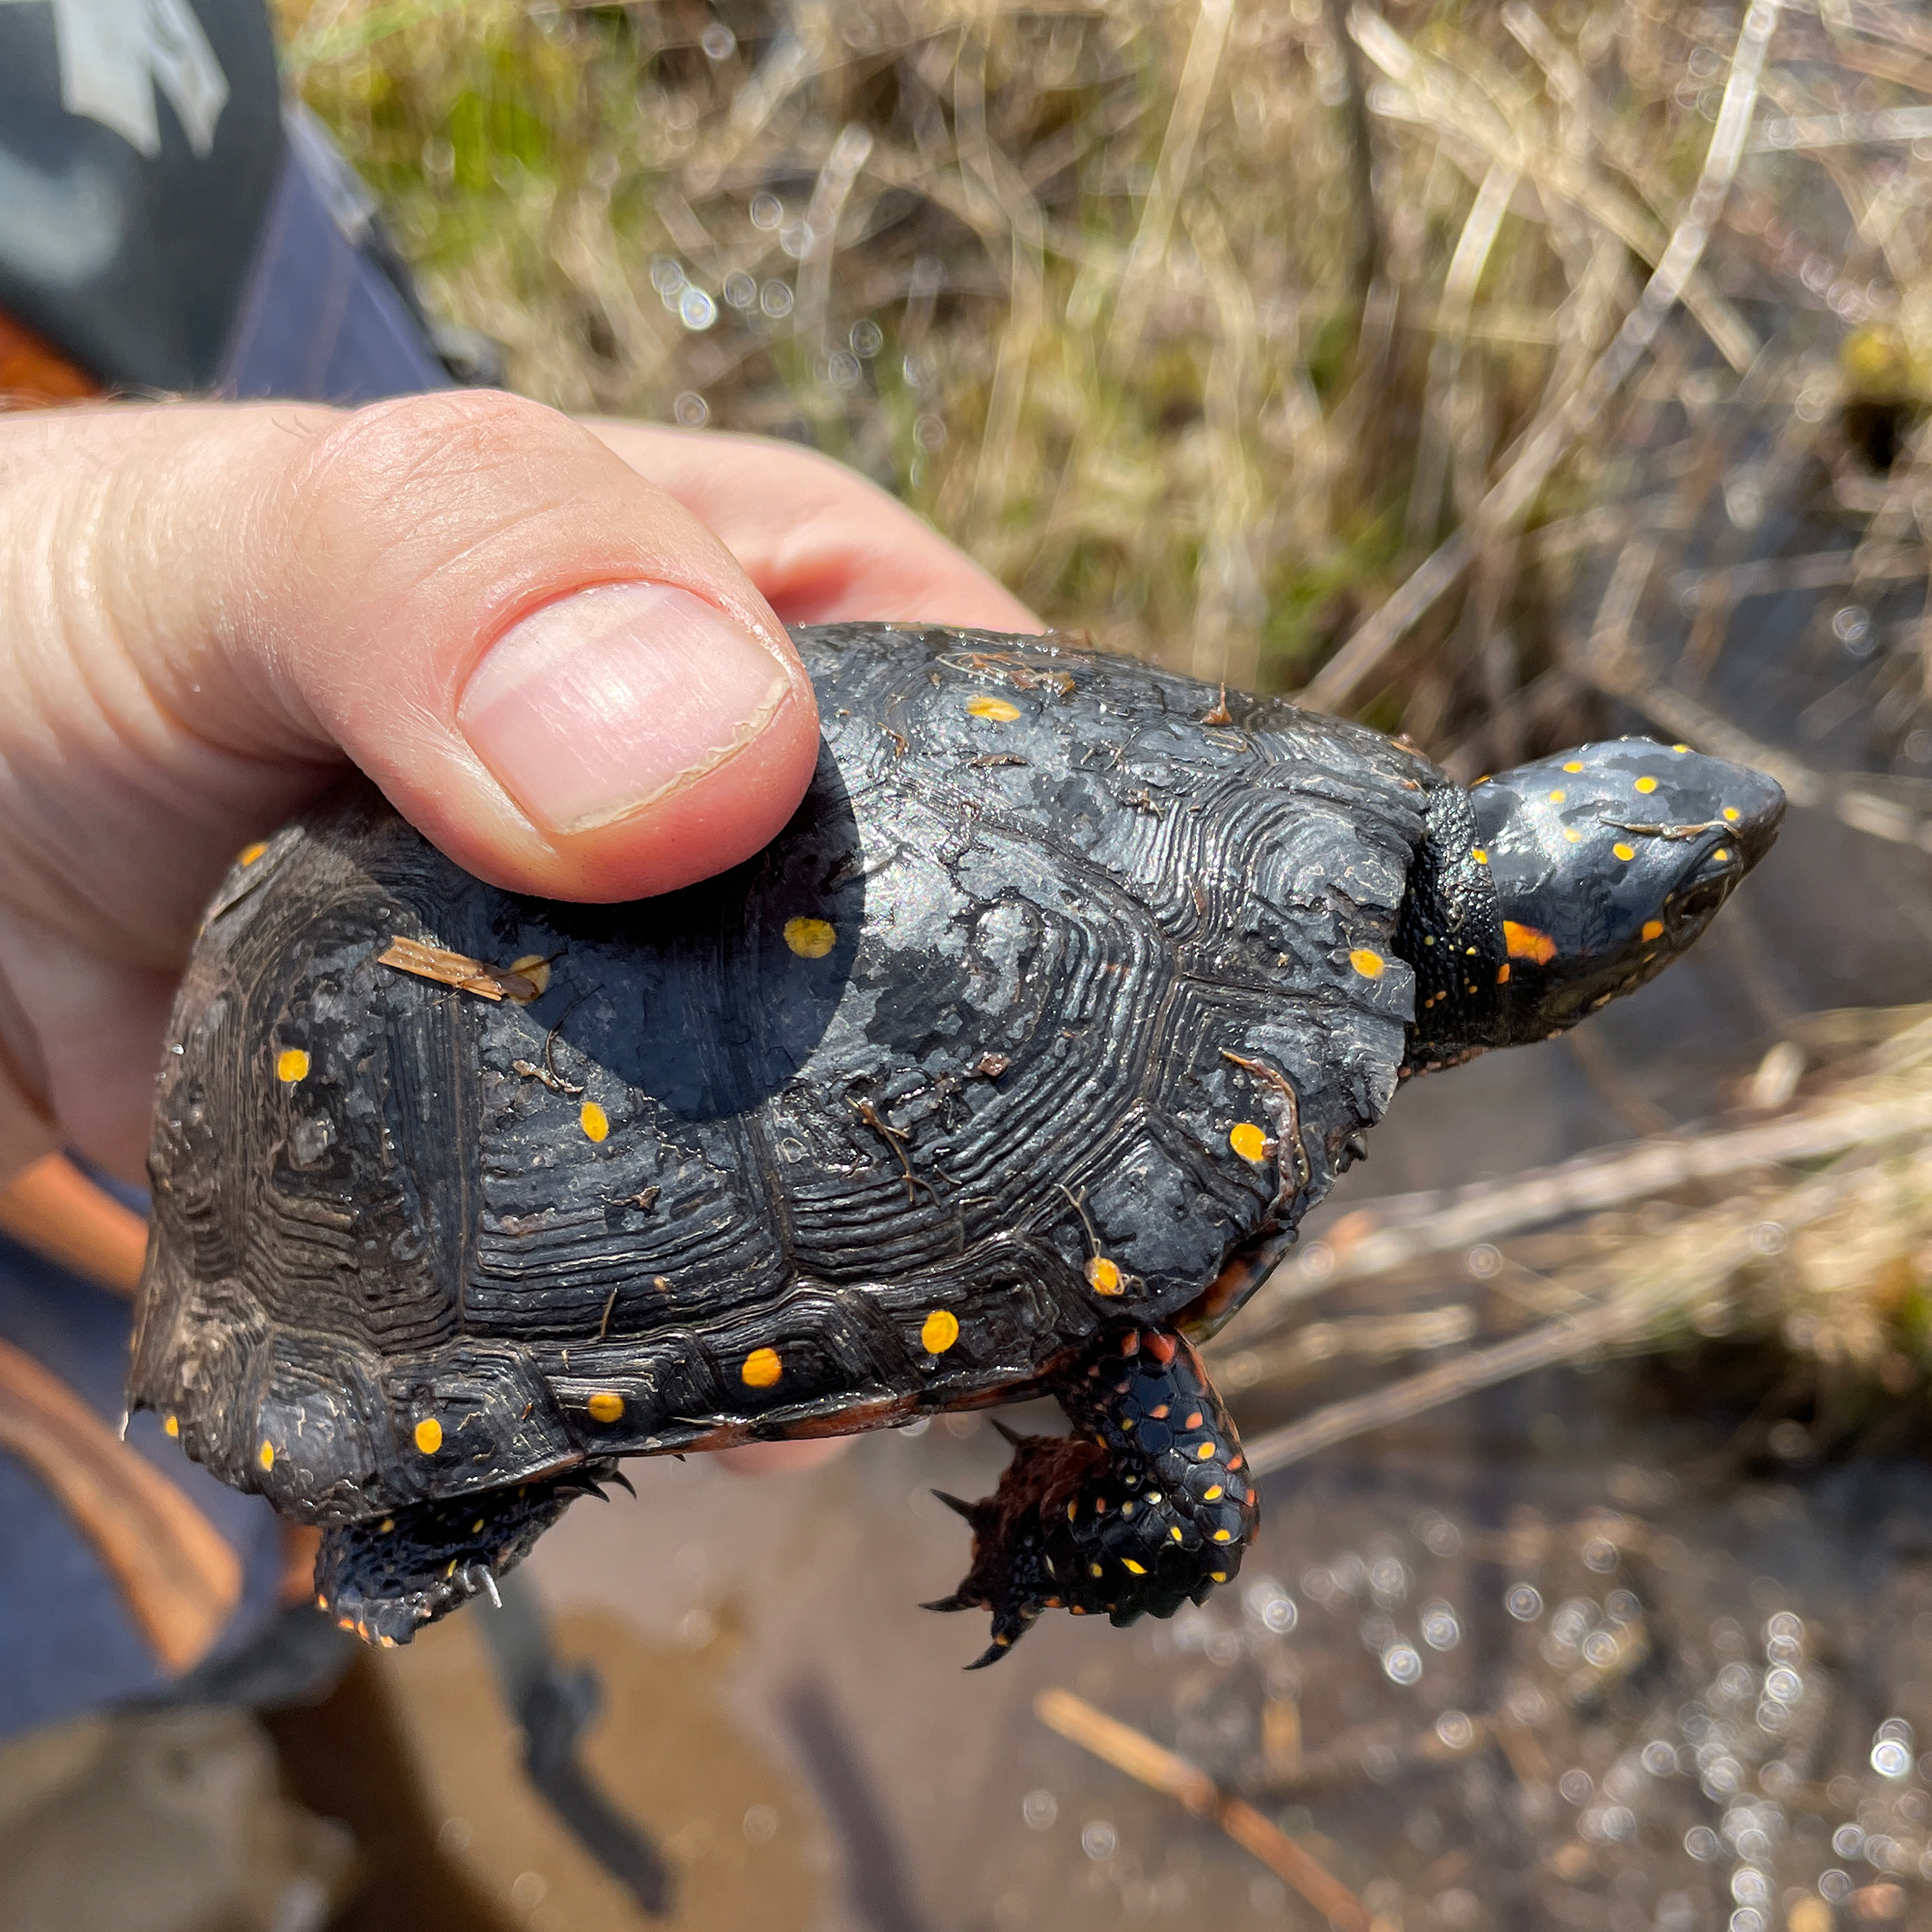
(1608, 862)
(1558, 885)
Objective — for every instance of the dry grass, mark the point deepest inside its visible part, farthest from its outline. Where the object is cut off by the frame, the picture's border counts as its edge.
(1200, 323)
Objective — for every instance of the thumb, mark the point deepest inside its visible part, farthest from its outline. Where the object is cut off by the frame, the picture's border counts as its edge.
(549, 666)
(552, 668)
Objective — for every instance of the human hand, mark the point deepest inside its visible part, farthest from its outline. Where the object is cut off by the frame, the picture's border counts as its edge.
(521, 629)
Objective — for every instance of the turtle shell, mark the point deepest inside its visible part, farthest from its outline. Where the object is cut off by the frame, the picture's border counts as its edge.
(1058, 1001)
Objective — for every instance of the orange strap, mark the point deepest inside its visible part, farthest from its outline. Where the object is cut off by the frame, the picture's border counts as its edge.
(33, 375)
(175, 1570)
(58, 1213)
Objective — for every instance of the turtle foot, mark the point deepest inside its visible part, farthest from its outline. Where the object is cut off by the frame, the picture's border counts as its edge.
(384, 1577)
(1144, 1507)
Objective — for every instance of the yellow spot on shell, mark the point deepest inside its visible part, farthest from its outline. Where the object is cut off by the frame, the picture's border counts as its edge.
(811, 938)
(1211, 1495)
(1502, 973)
(173, 1425)
(1218, 1575)
(997, 709)
(1103, 1276)
(939, 1331)
(762, 1367)
(1370, 965)
(429, 1435)
(606, 1406)
(1206, 1450)
(1731, 814)
(383, 1527)
(1721, 854)
(1528, 941)
(1646, 784)
(1096, 1569)
(1173, 1532)
(248, 854)
(1653, 929)
(593, 1119)
(1249, 1141)
(1224, 1536)
(266, 1454)
(1477, 853)
(1575, 836)
(1139, 1568)
(1574, 765)
(292, 1064)
(1623, 851)
(1680, 748)
(1558, 797)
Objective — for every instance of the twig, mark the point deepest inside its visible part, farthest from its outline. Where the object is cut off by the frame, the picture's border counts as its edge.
(1409, 1227)
(1545, 448)
(1164, 1770)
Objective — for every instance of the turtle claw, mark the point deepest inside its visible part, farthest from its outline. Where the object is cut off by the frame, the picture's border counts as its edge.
(948, 1603)
(1012, 1438)
(622, 1481)
(955, 1505)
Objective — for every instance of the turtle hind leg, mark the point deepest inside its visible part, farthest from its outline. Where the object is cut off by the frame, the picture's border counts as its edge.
(1144, 1507)
(384, 1576)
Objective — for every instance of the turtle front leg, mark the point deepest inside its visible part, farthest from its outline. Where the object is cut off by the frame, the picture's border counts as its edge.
(1145, 1507)
(383, 1576)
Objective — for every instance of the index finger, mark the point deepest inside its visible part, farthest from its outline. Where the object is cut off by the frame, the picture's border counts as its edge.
(823, 545)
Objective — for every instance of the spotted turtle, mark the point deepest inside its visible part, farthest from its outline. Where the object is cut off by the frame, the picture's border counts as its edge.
(1009, 1068)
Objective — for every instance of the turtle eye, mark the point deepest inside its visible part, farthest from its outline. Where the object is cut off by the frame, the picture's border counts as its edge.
(1701, 900)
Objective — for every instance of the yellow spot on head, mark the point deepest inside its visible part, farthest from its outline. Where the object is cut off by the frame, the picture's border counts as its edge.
(1095, 1569)
(762, 1367)
(1103, 1276)
(1623, 851)
(1653, 929)
(248, 854)
(266, 1454)
(1139, 1568)
(1370, 965)
(383, 1527)
(1218, 1575)
(429, 1435)
(173, 1425)
(475, 1527)
(593, 1119)
(1528, 941)
(606, 1406)
(1224, 1536)
(1248, 1141)
(1646, 784)
(1574, 765)
(1558, 797)
(1205, 1452)
(811, 938)
(939, 1332)
(1477, 853)
(292, 1064)
(1731, 814)
(1680, 748)
(997, 709)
